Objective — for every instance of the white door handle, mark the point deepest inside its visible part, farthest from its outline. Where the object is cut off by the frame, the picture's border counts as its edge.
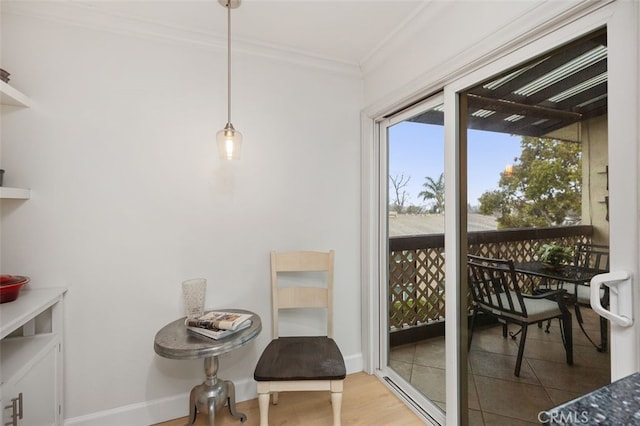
(611, 280)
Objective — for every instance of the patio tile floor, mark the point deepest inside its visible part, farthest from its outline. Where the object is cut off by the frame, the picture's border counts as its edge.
(496, 396)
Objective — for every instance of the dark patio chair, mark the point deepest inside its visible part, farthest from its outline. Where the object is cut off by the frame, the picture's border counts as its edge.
(593, 257)
(495, 291)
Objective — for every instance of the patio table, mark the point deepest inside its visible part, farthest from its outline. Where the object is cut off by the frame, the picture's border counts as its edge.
(568, 273)
(571, 274)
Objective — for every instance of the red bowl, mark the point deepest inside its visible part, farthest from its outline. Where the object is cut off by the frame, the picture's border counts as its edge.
(10, 286)
(11, 279)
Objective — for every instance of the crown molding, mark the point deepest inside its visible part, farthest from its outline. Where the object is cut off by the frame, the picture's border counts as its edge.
(91, 16)
(411, 27)
(540, 19)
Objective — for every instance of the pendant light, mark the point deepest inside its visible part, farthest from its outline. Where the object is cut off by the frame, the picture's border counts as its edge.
(229, 139)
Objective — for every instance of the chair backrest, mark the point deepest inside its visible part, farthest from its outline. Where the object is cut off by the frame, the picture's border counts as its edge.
(494, 286)
(593, 256)
(302, 296)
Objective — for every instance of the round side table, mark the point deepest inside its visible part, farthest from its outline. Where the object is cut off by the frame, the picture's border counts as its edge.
(174, 341)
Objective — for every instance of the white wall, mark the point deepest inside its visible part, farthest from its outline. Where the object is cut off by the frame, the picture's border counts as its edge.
(595, 163)
(129, 199)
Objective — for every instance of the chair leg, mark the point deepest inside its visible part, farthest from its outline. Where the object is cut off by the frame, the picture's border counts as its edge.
(274, 398)
(567, 336)
(336, 403)
(263, 404)
(523, 338)
(604, 338)
(578, 313)
(581, 322)
(472, 326)
(604, 324)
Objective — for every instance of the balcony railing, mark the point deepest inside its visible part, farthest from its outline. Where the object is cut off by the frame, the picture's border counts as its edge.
(416, 269)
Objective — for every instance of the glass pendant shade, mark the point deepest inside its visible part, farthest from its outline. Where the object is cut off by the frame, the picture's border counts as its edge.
(229, 143)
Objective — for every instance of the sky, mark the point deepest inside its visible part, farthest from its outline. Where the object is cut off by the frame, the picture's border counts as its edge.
(416, 150)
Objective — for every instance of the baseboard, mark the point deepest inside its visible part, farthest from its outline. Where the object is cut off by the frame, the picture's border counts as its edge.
(144, 413)
(175, 406)
(354, 363)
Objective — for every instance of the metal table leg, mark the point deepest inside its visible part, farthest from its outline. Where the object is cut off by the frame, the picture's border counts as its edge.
(212, 395)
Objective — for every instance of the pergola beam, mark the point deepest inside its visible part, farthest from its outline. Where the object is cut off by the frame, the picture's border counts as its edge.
(509, 107)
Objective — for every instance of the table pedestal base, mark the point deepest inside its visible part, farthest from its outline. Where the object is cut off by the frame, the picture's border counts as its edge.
(212, 395)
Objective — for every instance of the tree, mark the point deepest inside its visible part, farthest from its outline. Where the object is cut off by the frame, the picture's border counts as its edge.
(434, 190)
(413, 209)
(398, 184)
(544, 187)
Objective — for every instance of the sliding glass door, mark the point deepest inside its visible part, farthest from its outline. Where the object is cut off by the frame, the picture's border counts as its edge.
(537, 160)
(413, 311)
(538, 146)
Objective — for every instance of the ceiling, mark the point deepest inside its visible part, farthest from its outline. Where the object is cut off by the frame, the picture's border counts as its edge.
(349, 32)
(346, 31)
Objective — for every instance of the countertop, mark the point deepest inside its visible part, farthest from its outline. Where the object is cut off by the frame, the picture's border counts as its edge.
(614, 404)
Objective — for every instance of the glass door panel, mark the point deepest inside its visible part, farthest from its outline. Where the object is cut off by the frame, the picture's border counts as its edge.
(414, 292)
(537, 175)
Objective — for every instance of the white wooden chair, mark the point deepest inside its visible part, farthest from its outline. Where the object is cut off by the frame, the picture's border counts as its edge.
(301, 363)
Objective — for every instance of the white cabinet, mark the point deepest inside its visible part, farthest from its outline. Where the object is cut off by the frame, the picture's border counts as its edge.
(31, 397)
(13, 98)
(30, 336)
(31, 358)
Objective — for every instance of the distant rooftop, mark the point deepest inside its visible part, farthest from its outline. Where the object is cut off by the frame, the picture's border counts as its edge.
(424, 224)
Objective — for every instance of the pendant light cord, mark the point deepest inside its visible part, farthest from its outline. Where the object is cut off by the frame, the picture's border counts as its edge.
(228, 61)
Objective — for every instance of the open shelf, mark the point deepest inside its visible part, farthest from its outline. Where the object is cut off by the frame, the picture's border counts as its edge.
(29, 304)
(15, 193)
(11, 96)
(19, 353)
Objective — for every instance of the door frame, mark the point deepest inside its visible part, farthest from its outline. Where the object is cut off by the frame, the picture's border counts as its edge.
(621, 18)
(624, 190)
(419, 403)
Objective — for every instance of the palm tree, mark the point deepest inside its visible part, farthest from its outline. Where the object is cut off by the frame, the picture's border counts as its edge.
(434, 190)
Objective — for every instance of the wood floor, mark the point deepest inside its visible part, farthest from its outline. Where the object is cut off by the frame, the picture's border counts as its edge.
(366, 401)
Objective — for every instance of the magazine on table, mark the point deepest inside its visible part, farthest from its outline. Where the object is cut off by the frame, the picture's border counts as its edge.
(218, 324)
